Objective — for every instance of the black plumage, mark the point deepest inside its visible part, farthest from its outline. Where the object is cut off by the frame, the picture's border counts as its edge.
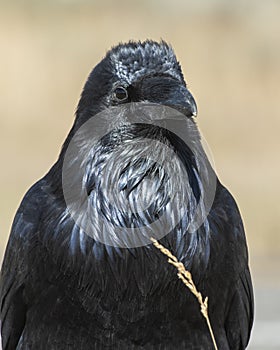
(62, 288)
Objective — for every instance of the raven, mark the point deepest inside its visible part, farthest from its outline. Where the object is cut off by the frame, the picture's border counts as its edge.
(79, 270)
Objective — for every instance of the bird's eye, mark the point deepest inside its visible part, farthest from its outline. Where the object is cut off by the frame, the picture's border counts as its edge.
(120, 94)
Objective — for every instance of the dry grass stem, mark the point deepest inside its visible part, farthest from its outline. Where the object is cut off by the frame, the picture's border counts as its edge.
(186, 277)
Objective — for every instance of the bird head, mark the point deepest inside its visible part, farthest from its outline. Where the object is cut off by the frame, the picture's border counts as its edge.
(131, 175)
(136, 72)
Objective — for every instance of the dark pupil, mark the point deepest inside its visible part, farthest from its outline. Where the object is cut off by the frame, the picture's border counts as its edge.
(120, 93)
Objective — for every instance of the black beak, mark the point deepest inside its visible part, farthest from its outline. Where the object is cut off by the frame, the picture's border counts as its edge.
(181, 99)
(169, 92)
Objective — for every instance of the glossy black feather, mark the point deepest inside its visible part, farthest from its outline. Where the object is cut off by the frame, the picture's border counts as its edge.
(61, 289)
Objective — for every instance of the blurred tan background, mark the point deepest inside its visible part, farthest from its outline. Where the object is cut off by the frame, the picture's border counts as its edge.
(230, 54)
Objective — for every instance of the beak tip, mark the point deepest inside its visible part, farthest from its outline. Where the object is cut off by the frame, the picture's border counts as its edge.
(193, 108)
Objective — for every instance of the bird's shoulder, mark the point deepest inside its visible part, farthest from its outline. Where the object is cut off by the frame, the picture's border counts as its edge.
(15, 266)
(230, 262)
(225, 218)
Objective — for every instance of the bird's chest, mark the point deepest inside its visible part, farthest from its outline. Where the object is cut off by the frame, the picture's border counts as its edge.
(115, 319)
